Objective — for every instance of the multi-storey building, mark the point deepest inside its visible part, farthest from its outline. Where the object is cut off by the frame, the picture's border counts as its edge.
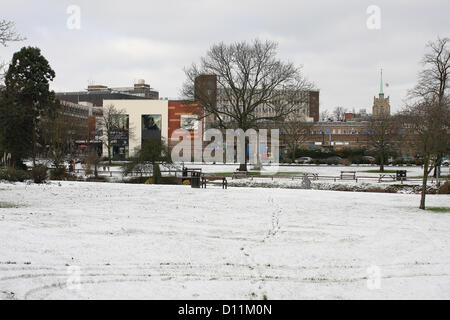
(95, 94)
(303, 104)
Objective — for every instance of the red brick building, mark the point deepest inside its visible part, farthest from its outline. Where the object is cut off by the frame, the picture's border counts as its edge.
(185, 115)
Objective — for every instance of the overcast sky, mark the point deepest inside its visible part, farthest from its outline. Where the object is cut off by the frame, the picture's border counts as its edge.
(121, 41)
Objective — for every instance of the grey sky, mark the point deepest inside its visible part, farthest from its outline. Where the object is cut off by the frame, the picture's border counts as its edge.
(121, 41)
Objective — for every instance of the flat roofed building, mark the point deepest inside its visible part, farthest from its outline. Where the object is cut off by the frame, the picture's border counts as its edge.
(146, 118)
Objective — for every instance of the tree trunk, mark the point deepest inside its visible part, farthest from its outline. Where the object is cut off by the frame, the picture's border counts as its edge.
(156, 173)
(382, 162)
(424, 183)
(243, 166)
(34, 145)
(95, 170)
(109, 156)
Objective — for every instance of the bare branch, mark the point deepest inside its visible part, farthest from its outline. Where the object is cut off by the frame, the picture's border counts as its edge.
(7, 33)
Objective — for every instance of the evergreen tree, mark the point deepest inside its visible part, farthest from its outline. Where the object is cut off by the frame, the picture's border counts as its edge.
(24, 101)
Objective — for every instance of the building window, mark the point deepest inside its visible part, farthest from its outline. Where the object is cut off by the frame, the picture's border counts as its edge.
(189, 121)
(151, 126)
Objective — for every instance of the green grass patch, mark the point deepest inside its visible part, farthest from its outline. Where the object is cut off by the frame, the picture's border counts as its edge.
(439, 209)
(378, 171)
(7, 205)
(255, 174)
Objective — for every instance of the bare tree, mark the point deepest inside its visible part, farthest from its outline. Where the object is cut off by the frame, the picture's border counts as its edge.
(428, 115)
(7, 34)
(325, 116)
(253, 86)
(339, 113)
(115, 125)
(295, 132)
(434, 78)
(382, 136)
(56, 134)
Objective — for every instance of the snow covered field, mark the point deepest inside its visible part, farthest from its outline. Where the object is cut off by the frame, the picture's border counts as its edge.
(85, 240)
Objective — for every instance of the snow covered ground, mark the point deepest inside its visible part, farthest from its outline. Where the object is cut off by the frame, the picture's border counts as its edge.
(84, 240)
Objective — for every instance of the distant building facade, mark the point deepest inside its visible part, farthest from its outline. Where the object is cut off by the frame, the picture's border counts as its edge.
(306, 105)
(95, 94)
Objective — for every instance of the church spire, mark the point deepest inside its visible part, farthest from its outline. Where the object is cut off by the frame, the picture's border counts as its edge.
(381, 83)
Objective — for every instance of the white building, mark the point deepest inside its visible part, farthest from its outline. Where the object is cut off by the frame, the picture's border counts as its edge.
(146, 118)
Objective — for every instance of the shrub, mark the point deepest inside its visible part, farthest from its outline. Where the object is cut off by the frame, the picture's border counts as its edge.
(445, 188)
(39, 174)
(72, 177)
(97, 179)
(13, 175)
(58, 174)
(137, 179)
(169, 180)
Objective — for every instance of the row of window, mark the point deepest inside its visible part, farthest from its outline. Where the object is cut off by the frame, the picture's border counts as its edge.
(351, 131)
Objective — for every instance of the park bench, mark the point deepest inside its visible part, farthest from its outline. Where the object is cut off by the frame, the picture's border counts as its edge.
(348, 175)
(312, 176)
(214, 180)
(239, 174)
(387, 177)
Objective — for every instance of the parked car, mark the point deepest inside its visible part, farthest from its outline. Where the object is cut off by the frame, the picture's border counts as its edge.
(334, 160)
(369, 158)
(303, 160)
(408, 159)
(446, 162)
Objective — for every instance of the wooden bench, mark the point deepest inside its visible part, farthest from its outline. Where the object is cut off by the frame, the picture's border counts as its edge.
(239, 174)
(312, 176)
(214, 180)
(387, 177)
(348, 175)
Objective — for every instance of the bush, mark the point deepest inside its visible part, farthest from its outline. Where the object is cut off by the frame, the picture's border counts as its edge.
(137, 180)
(72, 177)
(39, 173)
(445, 188)
(14, 175)
(58, 174)
(97, 179)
